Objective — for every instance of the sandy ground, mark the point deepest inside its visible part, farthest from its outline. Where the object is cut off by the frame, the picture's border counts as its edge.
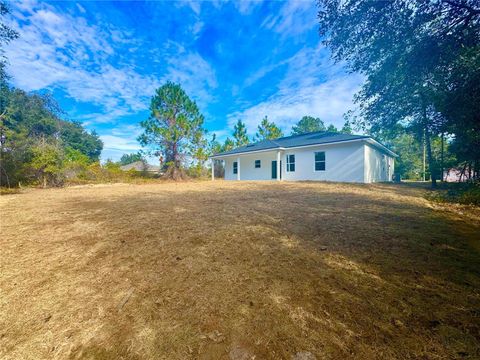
(229, 270)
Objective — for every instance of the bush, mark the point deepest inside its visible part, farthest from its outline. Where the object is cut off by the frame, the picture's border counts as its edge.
(461, 193)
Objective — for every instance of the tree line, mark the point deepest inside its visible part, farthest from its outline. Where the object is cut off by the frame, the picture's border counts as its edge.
(421, 61)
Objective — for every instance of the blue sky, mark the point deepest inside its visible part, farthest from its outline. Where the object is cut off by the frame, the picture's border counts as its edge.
(238, 60)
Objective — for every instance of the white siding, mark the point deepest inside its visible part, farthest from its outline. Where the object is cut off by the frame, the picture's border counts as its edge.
(378, 165)
(344, 162)
(247, 166)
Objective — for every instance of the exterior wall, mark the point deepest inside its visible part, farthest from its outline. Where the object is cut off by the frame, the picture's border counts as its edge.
(247, 166)
(343, 163)
(378, 165)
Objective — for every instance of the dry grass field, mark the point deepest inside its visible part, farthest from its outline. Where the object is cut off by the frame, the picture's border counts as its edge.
(229, 270)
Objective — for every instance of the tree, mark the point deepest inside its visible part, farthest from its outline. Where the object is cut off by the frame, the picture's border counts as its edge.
(332, 128)
(347, 128)
(131, 158)
(228, 145)
(174, 128)
(46, 162)
(406, 50)
(74, 135)
(267, 131)
(308, 124)
(214, 147)
(240, 134)
(7, 34)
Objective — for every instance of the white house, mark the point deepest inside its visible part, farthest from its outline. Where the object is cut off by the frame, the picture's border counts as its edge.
(312, 156)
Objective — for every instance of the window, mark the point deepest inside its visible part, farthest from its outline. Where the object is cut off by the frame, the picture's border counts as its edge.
(320, 161)
(291, 163)
(257, 164)
(235, 167)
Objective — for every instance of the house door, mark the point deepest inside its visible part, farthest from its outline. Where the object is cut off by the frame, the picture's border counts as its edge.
(274, 169)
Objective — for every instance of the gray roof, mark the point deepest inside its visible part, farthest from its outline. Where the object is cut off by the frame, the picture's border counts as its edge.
(313, 138)
(140, 166)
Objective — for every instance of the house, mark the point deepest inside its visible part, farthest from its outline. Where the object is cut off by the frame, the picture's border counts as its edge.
(323, 156)
(141, 166)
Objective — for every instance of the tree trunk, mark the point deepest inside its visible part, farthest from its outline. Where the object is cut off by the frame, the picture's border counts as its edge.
(44, 181)
(431, 160)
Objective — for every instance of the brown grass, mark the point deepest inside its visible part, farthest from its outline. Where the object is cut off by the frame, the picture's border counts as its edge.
(237, 270)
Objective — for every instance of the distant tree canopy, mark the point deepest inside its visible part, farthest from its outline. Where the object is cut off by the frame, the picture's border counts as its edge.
(311, 124)
(174, 129)
(308, 124)
(421, 60)
(36, 144)
(126, 159)
(228, 145)
(267, 131)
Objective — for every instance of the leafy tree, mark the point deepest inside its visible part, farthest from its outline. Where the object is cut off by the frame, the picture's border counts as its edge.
(7, 34)
(408, 51)
(240, 134)
(131, 158)
(174, 128)
(31, 124)
(332, 128)
(214, 147)
(228, 145)
(267, 131)
(46, 162)
(74, 135)
(347, 128)
(308, 124)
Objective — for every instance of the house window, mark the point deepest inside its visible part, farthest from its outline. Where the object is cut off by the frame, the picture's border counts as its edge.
(235, 167)
(320, 161)
(257, 164)
(291, 163)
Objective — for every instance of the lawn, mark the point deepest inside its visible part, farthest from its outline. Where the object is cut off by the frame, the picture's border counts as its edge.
(226, 270)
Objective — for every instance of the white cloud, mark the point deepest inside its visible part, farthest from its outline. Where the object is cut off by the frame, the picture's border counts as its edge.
(294, 17)
(58, 51)
(246, 7)
(312, 85)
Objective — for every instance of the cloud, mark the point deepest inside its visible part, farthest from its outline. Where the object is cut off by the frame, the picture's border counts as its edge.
(88, 62)
(246, 7)
(312, 85)
(295, 17)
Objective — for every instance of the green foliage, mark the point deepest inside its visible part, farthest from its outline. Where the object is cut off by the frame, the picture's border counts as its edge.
(347, 128)
(240, 134)
(174, 128)
(131, 158)
(461, 193)
(214, 147)
(37, 146)
(47, 163)
(420, 60)
(332, 128)
(308, 124)
(7, 34)
(74, 135)
(267, 131)
(228, 145)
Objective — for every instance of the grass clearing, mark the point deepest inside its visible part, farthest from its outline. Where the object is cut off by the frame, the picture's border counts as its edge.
(228, 270)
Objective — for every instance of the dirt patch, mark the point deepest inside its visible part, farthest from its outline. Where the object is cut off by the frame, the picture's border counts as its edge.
(228, 270)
